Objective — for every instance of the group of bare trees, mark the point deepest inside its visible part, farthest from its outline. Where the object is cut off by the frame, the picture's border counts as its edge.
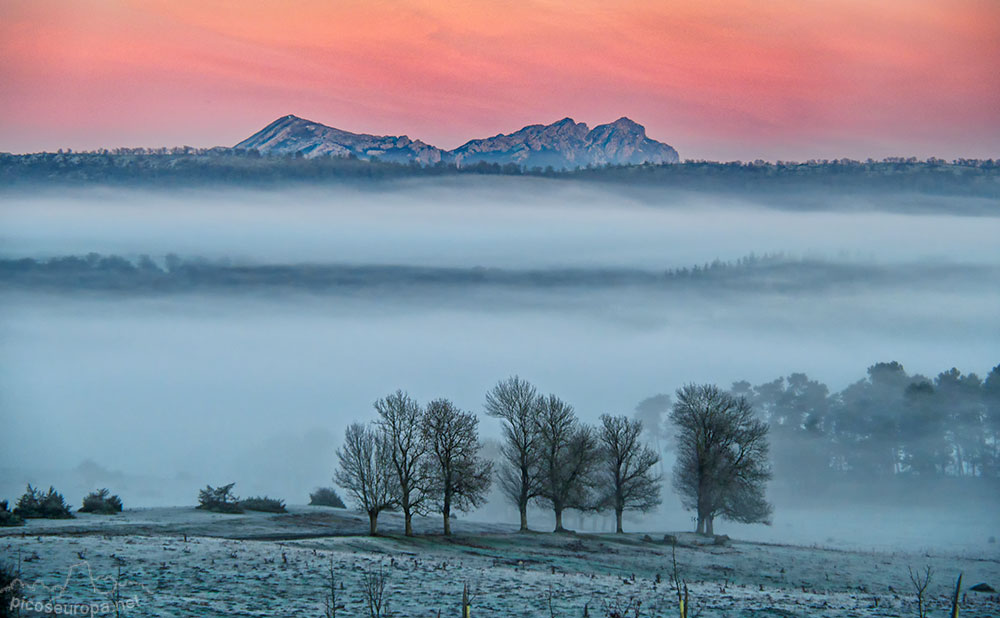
(415, 459)
(549, 456)
(418, 459)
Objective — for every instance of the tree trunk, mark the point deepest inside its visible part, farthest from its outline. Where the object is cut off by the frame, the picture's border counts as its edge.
(559, 526)
(710, 526)
(408, 518)
(446, 511)
(618, 521)
(701, 525)
(372, 523)
(522, 503)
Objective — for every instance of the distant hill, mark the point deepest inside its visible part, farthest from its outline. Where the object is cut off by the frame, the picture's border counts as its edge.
(562, 145)
(292, 135)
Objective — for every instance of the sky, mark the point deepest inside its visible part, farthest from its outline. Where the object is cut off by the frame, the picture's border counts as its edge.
(716, 79)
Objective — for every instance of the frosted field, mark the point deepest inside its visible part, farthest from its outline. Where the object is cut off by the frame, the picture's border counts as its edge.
(183, 562)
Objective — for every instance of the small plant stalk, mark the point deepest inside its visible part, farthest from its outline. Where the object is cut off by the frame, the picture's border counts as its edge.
(954, 601)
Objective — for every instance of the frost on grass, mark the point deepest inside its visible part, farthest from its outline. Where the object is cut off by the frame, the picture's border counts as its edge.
(507, 574)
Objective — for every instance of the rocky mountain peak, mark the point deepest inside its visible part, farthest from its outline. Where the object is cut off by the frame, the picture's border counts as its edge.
(564, 144)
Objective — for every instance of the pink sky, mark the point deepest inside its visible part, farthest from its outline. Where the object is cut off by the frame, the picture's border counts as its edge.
(717, 79)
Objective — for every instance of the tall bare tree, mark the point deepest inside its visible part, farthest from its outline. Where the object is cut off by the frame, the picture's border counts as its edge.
(456, 475)
(628, 476)
(567, 457)
(722, 449)
(365, 472)
(515, 401)
(400, 419)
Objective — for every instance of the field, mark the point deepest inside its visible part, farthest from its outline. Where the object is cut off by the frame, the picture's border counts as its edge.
(183, 562)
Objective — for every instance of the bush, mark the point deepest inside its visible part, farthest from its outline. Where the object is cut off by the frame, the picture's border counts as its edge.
(263, 503)
(7, 518)
(102, 503)
(10, 587)
(326, 496)
(36, 504)
(219, 499)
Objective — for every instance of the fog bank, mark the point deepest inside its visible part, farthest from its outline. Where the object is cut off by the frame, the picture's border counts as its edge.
(159, 394)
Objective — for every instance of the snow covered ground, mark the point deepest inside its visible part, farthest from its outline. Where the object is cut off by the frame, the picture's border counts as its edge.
(184, 562)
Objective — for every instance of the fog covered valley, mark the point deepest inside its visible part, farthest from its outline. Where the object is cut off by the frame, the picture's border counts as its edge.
(154, 342)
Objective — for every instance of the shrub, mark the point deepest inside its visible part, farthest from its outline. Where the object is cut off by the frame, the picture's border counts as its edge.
(326, 496)
(102, 503)
(7, 518)
(263, 503)
(219, 499)
(10, 588)
(37, 504)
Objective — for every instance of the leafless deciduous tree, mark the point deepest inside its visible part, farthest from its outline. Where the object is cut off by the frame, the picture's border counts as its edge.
(365, 472)
(376, 595)
(331, 603)
(568, 458)
(920, 582)
(628, 477)
(456, 475)
(515, 401)
(400, 420)
(722, 449)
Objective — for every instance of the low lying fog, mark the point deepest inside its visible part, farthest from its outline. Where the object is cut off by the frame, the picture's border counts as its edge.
(157, 395)
(500, 222)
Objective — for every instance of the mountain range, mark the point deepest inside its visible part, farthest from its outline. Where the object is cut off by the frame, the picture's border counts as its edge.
(565, 144)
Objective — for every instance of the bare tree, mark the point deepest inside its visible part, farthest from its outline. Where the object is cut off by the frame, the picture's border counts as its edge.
(680, 585)
(114, 595)
(629, 481)
(330, 602)
(399, 419)
(373, 588)
(567, 456)
(722, 448)
(515, 401)
(365, 472)
(456, 474)
(920, 582)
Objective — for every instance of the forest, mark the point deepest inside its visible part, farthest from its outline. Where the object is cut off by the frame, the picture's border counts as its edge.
(889, 424)
(227, 166)
(776, 272)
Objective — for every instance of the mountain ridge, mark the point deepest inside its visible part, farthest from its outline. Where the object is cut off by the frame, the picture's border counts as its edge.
(564, 144)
